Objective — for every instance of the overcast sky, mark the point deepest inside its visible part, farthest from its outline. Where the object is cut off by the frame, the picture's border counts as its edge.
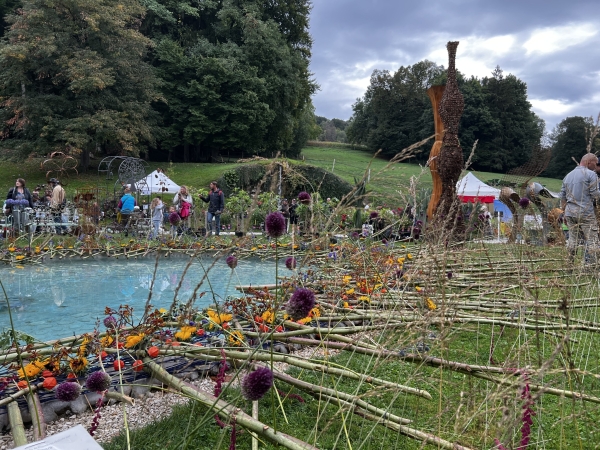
(553, 46)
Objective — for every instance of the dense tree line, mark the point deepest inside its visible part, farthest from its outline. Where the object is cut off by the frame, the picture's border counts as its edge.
(167, 78)
(333, 130)
(570, 140)
(396, 112)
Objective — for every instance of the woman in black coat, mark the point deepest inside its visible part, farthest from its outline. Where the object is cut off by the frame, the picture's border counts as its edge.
(18, 192)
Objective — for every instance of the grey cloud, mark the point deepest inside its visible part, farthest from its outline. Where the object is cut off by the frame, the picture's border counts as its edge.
(348, 34)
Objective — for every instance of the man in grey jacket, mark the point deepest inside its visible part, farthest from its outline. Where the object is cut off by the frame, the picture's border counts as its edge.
(579, 190)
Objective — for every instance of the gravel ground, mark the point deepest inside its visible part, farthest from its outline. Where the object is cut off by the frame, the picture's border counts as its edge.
(154, 406)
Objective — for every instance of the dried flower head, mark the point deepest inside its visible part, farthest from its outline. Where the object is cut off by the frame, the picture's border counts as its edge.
(304, 197)
(256, 384)
(67, 391)
(174, 218)
(524, 202)
(300, 303)
(110, 322)
(275, 224)
(374, 215)
(231, 261)
(290, 263)
(98, 381)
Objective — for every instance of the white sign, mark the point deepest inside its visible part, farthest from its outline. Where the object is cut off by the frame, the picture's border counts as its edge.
(76, 438)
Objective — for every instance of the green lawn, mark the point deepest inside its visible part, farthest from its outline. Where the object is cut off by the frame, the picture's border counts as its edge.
(351, 163)
(388, 181)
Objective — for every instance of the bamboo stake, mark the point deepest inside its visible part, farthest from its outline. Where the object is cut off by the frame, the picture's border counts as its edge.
(37, 416)
(226, 410)
(16, 424)
(332, 393)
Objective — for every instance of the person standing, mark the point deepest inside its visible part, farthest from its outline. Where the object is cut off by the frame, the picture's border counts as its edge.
(183, 202)
(216, 205)
(19, 192)
(157, 211)
(126, 207)
(577, 195)
(58, 202)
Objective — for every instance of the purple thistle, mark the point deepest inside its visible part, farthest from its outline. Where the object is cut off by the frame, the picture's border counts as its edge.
(275, 224)
(256, 384)
(524, 202)
(354, 235)
(231, 261)
(300, 303)
(98, 381)
(67, 391)
(304, 197)
(110, 322)
(174, 218)
(290, 263)
(374, 215)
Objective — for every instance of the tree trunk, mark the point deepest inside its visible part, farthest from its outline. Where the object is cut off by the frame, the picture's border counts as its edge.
(84, 160)
(186, 152)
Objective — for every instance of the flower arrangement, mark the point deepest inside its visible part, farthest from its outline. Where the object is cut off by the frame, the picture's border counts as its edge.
(16, 203)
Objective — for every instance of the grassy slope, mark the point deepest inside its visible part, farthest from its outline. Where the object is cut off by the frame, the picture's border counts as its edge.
(349, 164)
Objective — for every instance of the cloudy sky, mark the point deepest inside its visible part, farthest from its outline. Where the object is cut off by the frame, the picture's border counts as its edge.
(552, 45)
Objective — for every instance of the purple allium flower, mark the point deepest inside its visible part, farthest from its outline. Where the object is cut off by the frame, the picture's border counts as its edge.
(98, 381)
(290, 263)
(110, 322)
(374, 215)
(524, 202)
(174, 218)
(231, 261)
(256, 384)
(275, 224)
(304, 197)
(67, 391)
(300, 303)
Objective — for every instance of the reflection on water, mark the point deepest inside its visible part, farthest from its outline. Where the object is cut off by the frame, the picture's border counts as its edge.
(67, 297)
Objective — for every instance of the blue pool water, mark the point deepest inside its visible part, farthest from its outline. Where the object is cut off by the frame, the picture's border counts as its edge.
(63, 298)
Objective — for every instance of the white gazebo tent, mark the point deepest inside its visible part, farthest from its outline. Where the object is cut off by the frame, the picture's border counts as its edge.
(156, 183)
(472, 189)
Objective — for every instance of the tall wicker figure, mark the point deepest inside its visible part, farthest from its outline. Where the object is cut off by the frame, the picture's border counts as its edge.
(435, 94)
(451, 157)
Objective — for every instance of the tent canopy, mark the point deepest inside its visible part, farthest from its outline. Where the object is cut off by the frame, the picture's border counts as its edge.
(472, 189)
(156, 183)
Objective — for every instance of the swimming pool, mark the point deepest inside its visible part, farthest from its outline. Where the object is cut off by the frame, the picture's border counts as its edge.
(63, 298)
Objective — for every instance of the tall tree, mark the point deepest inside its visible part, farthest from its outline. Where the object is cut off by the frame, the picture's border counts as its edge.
(569, 140)
(72, 75)
(389, 116)
(518, 129)
(236, 74)
(7, 7)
